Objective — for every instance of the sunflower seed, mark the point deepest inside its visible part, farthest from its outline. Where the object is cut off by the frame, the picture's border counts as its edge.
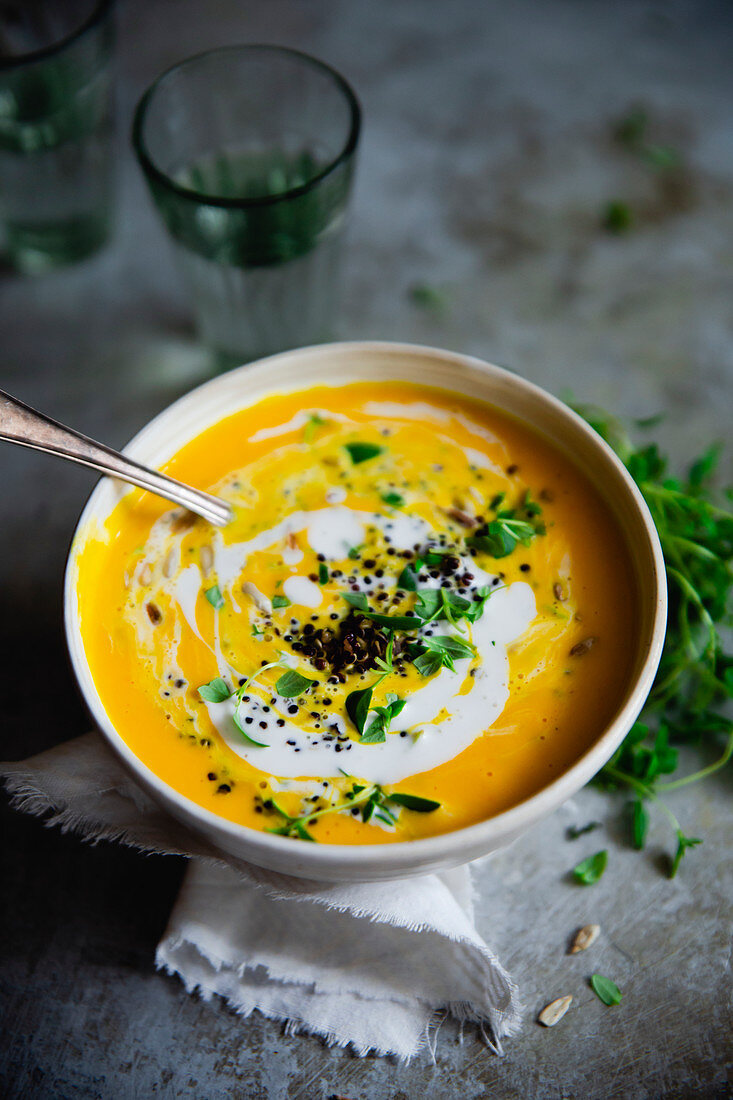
(462, 517)
(584, 937)
(169, 565)
(554, 1012)
(582, 647)
(206, 559)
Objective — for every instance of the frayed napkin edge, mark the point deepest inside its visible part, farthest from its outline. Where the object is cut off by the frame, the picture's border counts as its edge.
(27, 798)
(461, 1011)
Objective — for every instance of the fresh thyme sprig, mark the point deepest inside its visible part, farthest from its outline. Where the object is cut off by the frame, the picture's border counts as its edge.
(499, 537)
(370, 797)
(290, 685)
(359, 703)
(687, 703)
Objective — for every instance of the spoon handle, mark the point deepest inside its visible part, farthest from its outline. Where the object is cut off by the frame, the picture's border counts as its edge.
(21, 424)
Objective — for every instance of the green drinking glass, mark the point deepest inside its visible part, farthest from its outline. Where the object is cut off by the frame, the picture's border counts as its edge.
(55, 130)
(249, 152)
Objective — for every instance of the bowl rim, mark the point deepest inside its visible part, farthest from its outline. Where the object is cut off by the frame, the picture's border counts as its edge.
(264, 848)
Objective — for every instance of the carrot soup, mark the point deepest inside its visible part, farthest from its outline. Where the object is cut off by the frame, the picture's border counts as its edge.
(420, 615)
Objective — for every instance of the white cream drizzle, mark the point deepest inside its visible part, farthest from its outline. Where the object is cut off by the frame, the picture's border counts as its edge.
(298, 421)
(482, 461)
(186, 590)
(303, 591)
(421, 410)
(507, 615)
(291, 751)
(331, 531)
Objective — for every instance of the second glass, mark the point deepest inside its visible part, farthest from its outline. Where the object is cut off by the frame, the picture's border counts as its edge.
(249, 153)
(55, 130)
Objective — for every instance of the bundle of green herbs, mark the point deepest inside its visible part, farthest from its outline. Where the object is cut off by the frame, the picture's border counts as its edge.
(690, 701)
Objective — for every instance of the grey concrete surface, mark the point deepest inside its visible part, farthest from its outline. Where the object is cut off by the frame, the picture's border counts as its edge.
(486, 162)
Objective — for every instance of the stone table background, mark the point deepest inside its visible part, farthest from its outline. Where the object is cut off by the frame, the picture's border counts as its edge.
(486, 161)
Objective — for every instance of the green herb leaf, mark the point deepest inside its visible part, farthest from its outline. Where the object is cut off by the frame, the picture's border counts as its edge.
(428, 605)
(639, 824)
(215, 691)
(443, 649)
(291, 684)
(280, 601)
(323, 573)
(428, 297)
(302, 832)
(374, 734)
(314, 422)
(357, 707)
(356, 599)
(500, 537)
(442, 603)
(434, 555)
(393, 622)
(606, 990)
(377, 730)
(354, 553)
(573, 832)
(412, 802)
(617, 217)
(589, 870)
(215, 598)
(428, 663)
(450, 648)
(661, 156)
(361, 452)
(407, 579)
(395, 500)
(683, 843)
(393, 707)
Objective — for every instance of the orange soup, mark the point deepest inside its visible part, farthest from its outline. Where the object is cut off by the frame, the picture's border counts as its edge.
(420, 615)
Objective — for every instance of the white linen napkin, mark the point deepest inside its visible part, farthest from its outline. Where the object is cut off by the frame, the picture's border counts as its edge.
(370, 965)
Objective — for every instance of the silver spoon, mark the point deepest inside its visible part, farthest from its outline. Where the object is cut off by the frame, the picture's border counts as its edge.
(21, 424)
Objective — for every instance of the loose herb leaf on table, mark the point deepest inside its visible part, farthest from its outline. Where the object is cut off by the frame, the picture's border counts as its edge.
(589, 870)
(606, 990)
(690, 700)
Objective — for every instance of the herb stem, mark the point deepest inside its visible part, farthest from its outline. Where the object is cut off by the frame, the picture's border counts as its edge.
(643, 790)
(693, 548)
(678, 497)
(703, 773)
(336, 807)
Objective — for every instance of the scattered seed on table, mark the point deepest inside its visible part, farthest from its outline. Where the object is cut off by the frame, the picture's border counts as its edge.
(552, 1013)
(584, 937)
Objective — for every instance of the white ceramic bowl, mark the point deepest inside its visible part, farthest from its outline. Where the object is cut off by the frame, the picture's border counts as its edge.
(335, 364)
